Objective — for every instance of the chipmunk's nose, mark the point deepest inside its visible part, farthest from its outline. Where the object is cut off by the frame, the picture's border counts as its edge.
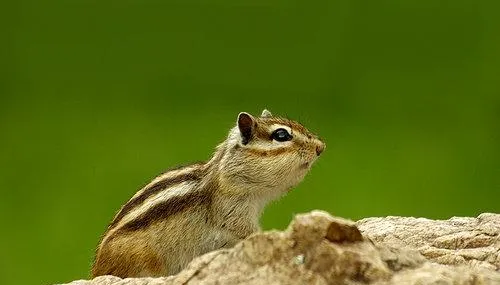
(320, 148)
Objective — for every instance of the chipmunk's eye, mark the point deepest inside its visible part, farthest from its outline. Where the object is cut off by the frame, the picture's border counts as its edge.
(281, 135)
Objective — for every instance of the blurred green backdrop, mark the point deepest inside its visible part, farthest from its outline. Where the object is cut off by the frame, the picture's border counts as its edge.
(99, 97)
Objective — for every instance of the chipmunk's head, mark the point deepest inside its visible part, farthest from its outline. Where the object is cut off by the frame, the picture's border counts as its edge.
(269, 153)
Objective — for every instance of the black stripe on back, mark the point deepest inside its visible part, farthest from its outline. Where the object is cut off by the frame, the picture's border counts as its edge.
(168, 208)
(193, 175)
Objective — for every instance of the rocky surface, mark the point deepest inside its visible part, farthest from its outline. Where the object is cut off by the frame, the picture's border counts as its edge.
(471, 241)
(320, 249)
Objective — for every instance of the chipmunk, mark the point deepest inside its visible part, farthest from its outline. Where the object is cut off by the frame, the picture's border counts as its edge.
(189, 211)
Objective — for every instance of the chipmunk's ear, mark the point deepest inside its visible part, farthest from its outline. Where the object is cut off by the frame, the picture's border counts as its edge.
(246, 124)
(266, 114)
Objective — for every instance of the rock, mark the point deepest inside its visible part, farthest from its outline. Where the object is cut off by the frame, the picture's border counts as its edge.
(320, 249)
(457, 241)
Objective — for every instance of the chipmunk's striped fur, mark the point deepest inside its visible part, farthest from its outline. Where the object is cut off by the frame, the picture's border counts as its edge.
(198, 208)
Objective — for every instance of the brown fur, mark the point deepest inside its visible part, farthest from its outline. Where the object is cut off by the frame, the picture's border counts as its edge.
(272, 152)
(127, 255)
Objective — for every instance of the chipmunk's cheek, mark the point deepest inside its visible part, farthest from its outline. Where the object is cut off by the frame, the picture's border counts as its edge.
(301, 161)
(308, 155)
(305, 166)
(305, 163)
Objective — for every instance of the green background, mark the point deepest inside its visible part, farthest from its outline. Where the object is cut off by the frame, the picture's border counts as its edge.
(99, 97)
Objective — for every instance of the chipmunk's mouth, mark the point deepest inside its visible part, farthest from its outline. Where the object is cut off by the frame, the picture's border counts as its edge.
(307, 164)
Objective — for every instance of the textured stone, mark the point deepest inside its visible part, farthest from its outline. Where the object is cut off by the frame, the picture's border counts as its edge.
(320, 249)
(457, 241)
